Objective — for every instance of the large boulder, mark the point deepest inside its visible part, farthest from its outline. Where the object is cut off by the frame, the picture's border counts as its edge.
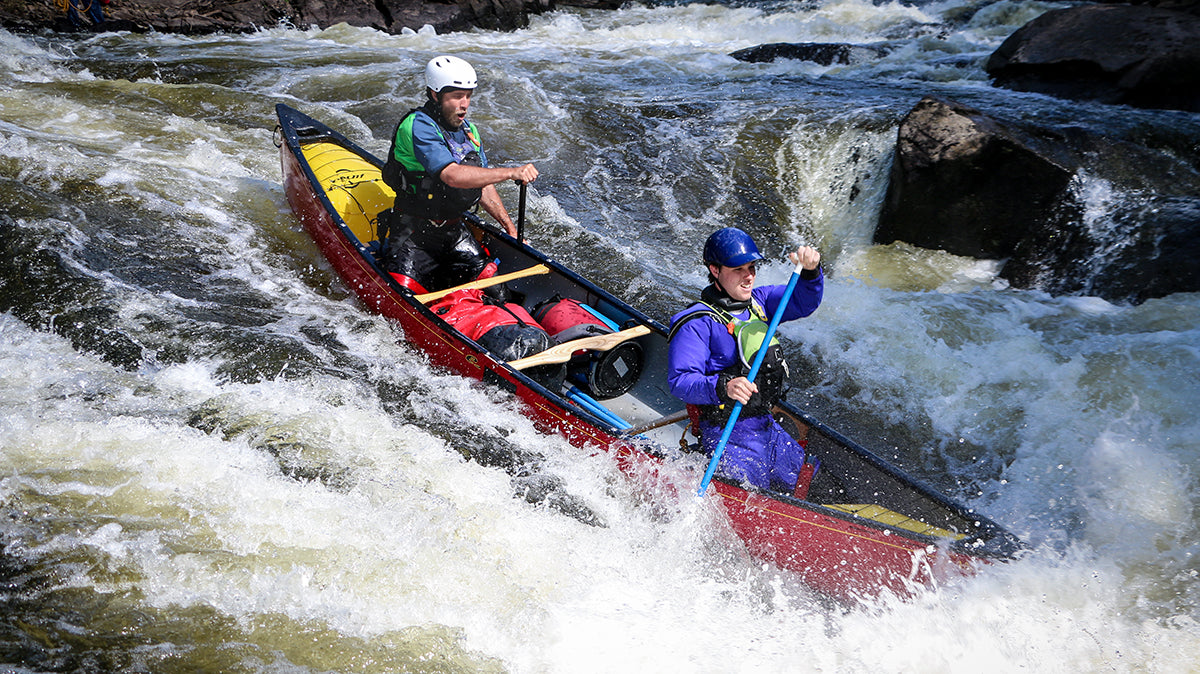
(1135, 55)
(975, 186)
(956, 178)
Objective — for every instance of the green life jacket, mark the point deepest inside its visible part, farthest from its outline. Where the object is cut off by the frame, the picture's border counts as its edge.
(748, 334)
(417, 192)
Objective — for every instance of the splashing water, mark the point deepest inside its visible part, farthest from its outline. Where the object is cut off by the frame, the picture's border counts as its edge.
(212, 459)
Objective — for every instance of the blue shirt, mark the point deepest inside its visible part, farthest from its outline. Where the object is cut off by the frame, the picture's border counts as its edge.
(436, 147)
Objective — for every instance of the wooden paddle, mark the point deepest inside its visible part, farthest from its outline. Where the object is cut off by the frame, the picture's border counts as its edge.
(484, 283)
(657, 423)
(561, 353)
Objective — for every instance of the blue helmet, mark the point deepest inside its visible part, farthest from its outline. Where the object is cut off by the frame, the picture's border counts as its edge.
(730, 247)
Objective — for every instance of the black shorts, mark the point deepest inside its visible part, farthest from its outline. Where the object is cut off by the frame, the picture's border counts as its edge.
(436, 255)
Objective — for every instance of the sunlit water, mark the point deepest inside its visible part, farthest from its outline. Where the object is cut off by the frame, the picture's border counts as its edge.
(214, 460)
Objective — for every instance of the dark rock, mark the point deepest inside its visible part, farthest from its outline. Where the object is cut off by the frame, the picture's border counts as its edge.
(325, 13)
(1141, 56)
(601, 4)
(817, 52)
(456, 15)
(209, 16)
(1149, 247)
(974, 186)
(954, 178)
(1190, 6)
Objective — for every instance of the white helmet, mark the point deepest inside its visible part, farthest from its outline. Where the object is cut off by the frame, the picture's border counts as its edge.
(449, 71)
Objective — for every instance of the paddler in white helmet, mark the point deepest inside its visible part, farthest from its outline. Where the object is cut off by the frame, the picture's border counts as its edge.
(438, 169)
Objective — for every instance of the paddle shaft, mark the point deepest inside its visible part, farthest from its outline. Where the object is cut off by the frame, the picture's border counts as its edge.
(758, 360)
(561, 353)
(485, 283)
(521, 213)
(657, 423)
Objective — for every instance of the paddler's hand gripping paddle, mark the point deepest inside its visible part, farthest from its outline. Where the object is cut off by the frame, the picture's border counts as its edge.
(758, 359)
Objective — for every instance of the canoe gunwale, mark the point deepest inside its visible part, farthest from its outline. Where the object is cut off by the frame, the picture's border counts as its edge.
(318, 132)
(986, 540)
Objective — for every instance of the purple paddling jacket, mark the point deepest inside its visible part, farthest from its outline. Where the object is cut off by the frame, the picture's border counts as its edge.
(702, 348)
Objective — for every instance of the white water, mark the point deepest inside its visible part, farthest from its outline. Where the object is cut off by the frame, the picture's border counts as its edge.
(267, 483)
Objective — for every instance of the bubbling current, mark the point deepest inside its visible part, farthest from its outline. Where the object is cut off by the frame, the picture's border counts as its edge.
(211, 458)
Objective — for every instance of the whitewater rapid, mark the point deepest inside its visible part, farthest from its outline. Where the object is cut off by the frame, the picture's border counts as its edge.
(212, 459)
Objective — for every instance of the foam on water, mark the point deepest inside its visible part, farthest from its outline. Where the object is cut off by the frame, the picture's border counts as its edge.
(403, 533)
(273, 478)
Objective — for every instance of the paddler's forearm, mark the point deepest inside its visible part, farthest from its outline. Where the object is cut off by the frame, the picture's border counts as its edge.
(493, 206)
(466, 176)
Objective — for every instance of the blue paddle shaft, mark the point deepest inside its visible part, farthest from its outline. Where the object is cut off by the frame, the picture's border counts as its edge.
(758, 359)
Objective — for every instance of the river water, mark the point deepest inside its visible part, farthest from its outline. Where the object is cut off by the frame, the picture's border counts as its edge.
(212, 459)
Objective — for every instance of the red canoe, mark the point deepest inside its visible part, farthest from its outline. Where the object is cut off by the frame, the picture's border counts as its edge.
(864, 528)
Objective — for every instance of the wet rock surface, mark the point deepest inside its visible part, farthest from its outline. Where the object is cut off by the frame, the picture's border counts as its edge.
(1145, 57)
(976, 186)
(211, 16)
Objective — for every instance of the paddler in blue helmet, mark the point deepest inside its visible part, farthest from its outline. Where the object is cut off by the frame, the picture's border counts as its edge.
(714, 341)
(438, 169)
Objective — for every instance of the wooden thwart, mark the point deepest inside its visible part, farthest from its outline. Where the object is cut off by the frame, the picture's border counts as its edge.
(561, 353)
(485, 283)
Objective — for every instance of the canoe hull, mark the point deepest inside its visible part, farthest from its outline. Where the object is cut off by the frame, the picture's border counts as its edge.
(838, 558)
(374, 290)
(838, 554)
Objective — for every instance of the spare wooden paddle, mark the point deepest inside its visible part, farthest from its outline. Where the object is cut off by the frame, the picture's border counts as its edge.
(657, 423)
(485, 282)
(561, 353)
